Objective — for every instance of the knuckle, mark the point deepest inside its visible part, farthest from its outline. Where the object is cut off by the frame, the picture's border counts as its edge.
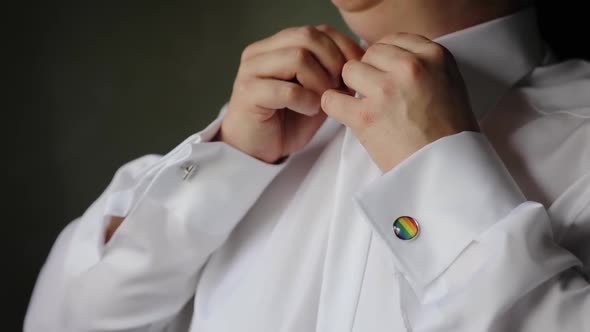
(241, 88)
(413, 67)
(245, 69)
(246, 52)
(325, 27)
(396, 35)
(308, 33)
(301, 56)
(373, 51)
(437, 51)
(291, 92)
(289, 30)
(386, 88)
(391, 37)
(242, 72)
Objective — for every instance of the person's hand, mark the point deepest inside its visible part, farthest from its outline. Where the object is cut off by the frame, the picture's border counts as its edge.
(412, 95)
(274, 109)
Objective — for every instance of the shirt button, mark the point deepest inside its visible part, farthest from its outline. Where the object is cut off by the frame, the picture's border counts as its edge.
(188, 170)
(406, 228)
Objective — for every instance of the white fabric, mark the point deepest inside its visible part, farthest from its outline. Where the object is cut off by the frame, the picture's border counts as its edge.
(308, 245)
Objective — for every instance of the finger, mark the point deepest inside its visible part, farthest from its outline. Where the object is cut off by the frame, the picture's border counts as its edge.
(288, 64)
(350, 48)
(310, 38)
(276, 94)
(342, 107)
(362, 77)
(386, 57)
(408, 41)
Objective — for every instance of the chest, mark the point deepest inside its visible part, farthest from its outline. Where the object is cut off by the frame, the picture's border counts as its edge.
(304, 258)
(298, 260)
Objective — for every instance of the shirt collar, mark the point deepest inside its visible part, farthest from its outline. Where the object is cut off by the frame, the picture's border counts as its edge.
(495, 55)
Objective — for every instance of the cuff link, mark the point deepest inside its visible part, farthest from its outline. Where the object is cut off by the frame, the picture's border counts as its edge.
(406, 228)
(189, 169)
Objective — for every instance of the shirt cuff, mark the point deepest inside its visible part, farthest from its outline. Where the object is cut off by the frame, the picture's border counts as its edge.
(455, 188)
(220, 177)
(197, 180)
(201, 178)
(121, 198)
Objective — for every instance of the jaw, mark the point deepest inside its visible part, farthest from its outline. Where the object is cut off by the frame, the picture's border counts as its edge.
(372, 20)
(354, 6)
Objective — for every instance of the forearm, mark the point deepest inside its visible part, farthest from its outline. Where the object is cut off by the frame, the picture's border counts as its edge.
(485, 259)
(172, 222)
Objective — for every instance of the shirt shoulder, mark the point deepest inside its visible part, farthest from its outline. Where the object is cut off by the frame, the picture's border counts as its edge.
(552, 109)
(558, 88)
(541, 130)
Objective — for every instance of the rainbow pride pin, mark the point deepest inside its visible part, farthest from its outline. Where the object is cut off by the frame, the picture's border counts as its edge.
(406, 228)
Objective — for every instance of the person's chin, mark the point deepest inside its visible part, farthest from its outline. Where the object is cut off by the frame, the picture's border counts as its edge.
(355, 5)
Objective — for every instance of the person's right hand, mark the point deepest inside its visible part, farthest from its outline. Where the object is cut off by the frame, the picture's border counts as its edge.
(274, 109)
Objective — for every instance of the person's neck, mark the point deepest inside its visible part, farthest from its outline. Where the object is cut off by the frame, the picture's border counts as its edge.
(470, 13)
(430, 20)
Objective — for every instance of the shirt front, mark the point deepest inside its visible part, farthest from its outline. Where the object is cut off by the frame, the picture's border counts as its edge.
(215, 240)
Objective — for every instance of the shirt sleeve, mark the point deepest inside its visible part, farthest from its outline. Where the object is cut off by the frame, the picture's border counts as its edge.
(485, 258)
(178, 209)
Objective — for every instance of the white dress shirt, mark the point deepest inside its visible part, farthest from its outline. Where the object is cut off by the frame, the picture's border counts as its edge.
(215, 240)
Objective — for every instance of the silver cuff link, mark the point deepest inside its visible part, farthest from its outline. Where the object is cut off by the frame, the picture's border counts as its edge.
(188, 169)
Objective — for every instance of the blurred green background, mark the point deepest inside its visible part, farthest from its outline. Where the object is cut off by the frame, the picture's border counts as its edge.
(99, 83)
(123, 81)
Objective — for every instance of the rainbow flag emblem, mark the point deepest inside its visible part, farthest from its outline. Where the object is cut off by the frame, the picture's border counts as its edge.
(406, 228)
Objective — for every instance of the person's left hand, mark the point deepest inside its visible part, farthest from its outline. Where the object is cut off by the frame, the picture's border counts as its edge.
(412, 95)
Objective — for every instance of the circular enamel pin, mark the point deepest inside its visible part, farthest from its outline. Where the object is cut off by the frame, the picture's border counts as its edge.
(406, 228)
